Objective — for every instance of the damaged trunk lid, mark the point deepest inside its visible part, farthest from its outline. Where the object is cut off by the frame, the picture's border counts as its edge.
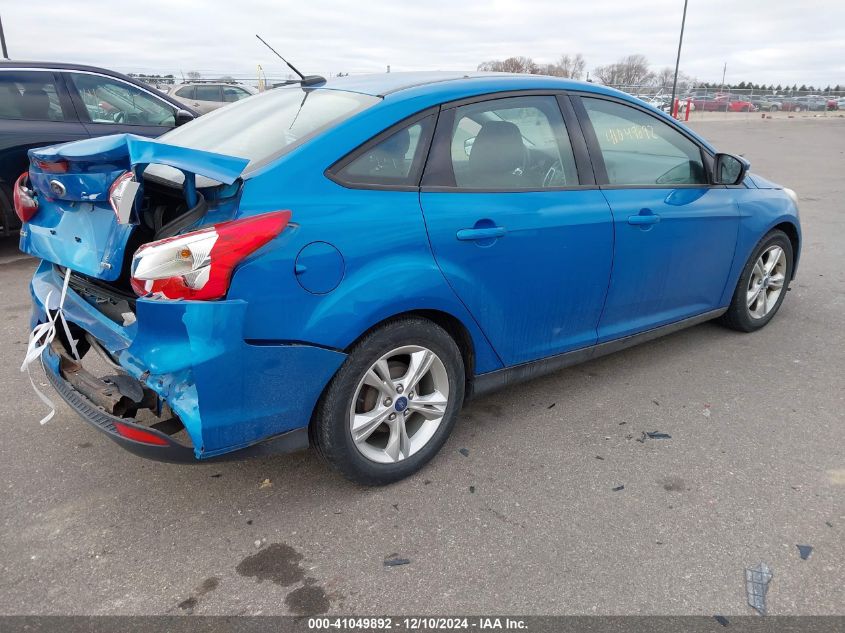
(81, 225)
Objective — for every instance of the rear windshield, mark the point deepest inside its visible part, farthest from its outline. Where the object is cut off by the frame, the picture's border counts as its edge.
(268, 125)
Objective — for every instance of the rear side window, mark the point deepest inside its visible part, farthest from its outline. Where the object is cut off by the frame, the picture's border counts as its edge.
(394, 160)
(207, 93)
(639, 149)
(29, 96)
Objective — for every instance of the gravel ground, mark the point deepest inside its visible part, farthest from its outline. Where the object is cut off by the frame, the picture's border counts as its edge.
(528, 521)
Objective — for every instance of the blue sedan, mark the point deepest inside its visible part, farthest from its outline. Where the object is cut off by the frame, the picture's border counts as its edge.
(343, 263)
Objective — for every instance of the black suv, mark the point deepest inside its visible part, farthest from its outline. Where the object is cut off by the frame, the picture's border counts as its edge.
(43, 103)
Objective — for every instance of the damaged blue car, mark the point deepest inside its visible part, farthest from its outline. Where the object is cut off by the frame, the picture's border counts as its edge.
(343, 263)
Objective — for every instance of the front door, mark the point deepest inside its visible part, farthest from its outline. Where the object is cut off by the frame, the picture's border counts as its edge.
(108, 105)
(525, 246)
(675, 233)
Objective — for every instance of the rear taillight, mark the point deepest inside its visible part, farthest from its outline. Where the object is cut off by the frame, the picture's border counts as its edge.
(199, 265)
(26, 204)
(122, 196)
(52, 167)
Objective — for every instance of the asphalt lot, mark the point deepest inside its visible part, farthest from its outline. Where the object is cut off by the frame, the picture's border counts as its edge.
(528, 521)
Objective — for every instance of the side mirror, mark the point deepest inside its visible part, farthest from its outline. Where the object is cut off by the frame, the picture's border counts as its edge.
(182, 117)
(729, 169)
(468, 145)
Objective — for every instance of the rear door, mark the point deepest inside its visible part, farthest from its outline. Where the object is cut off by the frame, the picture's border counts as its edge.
(207, 97)
(675, 233)
(516, 224)
(35, 110)
(108, 105)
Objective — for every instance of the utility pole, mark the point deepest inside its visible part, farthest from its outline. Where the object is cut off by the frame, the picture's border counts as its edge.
(724, 70)
(3, 41)
(678, 58)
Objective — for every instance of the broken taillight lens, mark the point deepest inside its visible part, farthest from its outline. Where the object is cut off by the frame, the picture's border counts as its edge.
(26, 204)
(118, 190)
(52, 167)
(199, 265)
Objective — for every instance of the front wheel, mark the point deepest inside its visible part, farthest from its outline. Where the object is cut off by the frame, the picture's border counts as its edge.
(392, 404)
(762, 285)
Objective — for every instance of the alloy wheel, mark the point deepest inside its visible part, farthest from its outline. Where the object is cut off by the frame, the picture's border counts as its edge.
(766, 282)
(399, 404)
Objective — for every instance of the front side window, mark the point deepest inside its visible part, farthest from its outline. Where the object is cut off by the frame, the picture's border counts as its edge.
(395, 160)
(639, 149)
(111, 101)
(270, 124)
(231, 93)
(517, 143)
(29, 96)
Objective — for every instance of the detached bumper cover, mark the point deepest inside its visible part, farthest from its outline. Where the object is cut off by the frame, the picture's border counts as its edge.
(228, 393)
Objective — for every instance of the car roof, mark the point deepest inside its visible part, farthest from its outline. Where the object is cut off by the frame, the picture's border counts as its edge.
(384, 84)
(24, 65)
(425, 89)
(14, 63)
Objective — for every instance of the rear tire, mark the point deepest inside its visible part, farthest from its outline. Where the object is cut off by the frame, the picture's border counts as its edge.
(9, 221)
(758, 296)
(392, 404)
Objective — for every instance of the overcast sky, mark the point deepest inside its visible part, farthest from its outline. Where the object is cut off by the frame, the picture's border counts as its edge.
(763, 41)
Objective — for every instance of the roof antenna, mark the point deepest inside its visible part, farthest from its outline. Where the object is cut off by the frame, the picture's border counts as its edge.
(304, 80)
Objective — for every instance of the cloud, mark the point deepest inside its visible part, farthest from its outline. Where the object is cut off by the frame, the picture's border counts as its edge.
(770, 41)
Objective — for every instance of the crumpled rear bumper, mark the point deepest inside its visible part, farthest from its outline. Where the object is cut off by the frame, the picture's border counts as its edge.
(228, 392)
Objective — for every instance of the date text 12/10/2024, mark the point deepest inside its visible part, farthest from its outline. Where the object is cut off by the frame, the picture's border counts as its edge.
(417, 623)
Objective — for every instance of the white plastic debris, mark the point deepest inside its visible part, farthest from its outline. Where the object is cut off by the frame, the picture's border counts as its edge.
(42, 336)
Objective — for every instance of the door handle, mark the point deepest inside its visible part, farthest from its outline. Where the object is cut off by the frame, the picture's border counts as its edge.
(488, 233)
(644, 218)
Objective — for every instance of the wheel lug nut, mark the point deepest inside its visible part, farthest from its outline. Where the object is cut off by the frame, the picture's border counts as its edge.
(388, 402)
(411, 396)
(399, 388)
(392, 416)
(407, 412)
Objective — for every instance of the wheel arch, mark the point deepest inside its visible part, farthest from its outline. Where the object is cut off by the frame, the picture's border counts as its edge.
(794, 236)
(454, 327)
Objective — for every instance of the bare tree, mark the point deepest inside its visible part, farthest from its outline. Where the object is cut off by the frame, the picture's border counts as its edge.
(572, 67)
(629, 71)
(193, 75)
(664, 77)
(227, 79)
(511, 65)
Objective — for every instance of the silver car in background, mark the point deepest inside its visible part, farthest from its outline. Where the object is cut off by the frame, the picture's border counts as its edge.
(204, 96)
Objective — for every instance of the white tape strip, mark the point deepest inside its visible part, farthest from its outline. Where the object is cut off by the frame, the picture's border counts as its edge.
(41, 337)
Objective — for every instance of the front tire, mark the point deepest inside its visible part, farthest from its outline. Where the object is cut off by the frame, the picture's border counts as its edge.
(392, 404)
(763, 284)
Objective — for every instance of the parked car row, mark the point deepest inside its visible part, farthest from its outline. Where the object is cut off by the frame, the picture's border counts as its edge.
(722, 103)
(728, 102)
(48, 103)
